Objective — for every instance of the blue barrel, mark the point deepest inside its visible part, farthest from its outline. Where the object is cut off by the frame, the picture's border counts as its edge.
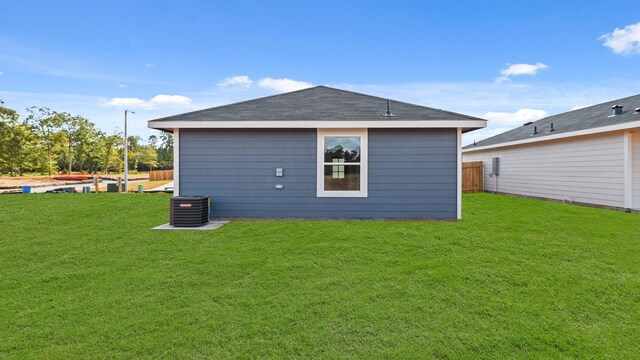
(86, 189)
(26, 189)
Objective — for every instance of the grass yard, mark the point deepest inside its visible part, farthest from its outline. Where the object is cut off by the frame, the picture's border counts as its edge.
(83, 276)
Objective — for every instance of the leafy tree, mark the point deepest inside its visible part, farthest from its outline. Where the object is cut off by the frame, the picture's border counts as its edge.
(111, 144)
(165, 151)
(148, 156)
(7, 114)
(94, 151)
(18, 144)
(46, 124)
(86, 138)
(82, 136)
(133, 145)
(153, 141)
(68, 126)
(47, 140)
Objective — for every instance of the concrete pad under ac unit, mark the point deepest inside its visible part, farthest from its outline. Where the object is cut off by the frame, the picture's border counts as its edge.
(211, 225)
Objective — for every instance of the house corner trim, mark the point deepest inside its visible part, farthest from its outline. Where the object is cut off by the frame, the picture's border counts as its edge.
(176, 162)
(459, 174)
(628, 170)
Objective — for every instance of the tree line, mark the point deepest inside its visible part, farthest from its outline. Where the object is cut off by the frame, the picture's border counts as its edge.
(49, 142)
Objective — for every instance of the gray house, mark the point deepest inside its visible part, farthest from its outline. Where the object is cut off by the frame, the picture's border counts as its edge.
(321, 153)
(587, 156)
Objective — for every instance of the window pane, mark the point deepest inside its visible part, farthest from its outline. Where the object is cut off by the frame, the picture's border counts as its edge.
(338, 170)
(346, 148)
(342, 177)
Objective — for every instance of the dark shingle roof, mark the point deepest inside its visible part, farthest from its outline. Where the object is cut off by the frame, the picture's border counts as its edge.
(318, 103)
(586, 118)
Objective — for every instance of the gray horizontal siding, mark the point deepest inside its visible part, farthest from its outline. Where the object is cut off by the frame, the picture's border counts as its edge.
(586, 169)
(412, 174)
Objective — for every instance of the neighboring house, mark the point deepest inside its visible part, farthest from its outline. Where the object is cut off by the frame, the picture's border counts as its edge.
(321, 153)
(589, 156)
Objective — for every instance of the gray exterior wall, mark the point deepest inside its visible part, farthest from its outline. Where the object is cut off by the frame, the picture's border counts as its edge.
(412, 174)
(585, 169)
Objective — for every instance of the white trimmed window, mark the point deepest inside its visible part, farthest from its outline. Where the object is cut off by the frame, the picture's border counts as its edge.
(342, 163)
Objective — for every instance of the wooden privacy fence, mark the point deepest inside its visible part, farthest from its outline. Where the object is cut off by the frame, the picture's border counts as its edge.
(472, 177)
(161, 175)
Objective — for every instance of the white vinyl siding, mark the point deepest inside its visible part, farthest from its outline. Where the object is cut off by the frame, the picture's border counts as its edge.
(635, 159)
(587, 169)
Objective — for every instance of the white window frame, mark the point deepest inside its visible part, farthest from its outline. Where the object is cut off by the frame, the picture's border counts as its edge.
(364, 162)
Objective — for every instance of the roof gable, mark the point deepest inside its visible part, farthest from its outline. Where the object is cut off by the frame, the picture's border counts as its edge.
(591, 117)
(318, 103)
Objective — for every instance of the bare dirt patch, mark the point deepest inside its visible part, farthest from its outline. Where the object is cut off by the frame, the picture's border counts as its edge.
(7, 182)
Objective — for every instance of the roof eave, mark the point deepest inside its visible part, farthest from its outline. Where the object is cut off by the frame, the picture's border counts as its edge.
(465, 124)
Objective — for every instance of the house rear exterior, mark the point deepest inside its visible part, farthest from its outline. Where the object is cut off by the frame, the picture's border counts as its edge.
(321, 153)
(589, 156)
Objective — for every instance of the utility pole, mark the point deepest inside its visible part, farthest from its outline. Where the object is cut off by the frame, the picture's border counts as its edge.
(126, 153)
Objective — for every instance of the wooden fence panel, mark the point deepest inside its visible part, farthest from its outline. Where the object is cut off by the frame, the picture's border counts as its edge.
(472, 177)
(161, 175)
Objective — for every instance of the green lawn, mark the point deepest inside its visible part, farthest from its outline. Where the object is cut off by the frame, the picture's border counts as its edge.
(83, 276)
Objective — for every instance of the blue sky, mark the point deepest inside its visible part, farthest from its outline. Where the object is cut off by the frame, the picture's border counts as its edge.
(507, 61)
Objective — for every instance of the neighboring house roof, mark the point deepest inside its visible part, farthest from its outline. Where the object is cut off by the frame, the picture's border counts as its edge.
(598, 118)
(318, 103)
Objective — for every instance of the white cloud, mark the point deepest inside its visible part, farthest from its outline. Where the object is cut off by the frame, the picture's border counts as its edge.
(481, 134)
(149, 65)
(283, 85)
(1, 73)
(137, 103)
(122, 86)
(520, 69)
(133, 103)
(268, 83)
(515, 118)
(238, 80)
(578, 107)
(171, 100)
(623, 41)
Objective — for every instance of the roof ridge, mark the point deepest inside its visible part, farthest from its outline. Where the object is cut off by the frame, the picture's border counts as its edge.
(341, 103)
